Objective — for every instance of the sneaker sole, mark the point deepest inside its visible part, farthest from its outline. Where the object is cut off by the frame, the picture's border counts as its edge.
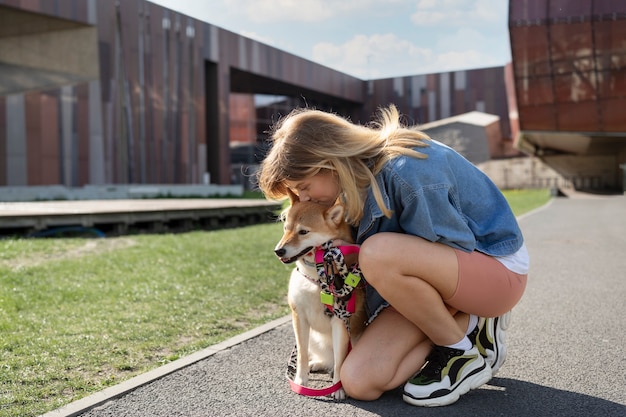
(473, 381)
(498, 357)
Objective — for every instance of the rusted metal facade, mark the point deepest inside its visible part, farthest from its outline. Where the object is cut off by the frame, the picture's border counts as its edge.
(158, 107)
(428, 97)
(569, 66)
(158, 112)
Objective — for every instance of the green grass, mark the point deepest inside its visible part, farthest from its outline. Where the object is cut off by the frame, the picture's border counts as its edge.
(79, 315)
(523, 201)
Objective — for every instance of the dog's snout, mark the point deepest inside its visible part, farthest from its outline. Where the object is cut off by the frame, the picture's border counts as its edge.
(280, 252)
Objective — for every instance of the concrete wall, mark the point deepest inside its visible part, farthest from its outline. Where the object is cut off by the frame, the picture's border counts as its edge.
(40, 51)
(469, 140)
(523, 172)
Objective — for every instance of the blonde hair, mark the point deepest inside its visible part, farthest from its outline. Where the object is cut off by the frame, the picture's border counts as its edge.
(307, 141)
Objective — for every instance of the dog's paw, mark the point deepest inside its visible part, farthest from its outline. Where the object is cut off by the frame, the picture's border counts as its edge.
(318, 367)
(301, 380)
(339, 395)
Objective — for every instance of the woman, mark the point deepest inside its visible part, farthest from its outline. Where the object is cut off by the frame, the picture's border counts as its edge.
(440, 248)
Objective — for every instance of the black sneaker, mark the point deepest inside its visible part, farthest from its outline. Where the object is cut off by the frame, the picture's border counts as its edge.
(489, 336)
(447, 374)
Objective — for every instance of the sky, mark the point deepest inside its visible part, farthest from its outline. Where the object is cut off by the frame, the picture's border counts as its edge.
(369, 39)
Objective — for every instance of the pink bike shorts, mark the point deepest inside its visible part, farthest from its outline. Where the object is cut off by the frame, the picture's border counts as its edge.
(486, 287)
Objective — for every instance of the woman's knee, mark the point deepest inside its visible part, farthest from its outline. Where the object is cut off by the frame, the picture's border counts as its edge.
(356, 384)
(373, 246)
(373, 254)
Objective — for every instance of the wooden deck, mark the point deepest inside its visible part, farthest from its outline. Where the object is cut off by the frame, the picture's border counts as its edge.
(118, 217)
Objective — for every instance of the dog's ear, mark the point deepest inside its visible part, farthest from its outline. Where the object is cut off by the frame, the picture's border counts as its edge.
(335, 214)
(293, 198)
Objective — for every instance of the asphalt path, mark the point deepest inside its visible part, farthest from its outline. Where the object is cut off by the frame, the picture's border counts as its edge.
(566, 342)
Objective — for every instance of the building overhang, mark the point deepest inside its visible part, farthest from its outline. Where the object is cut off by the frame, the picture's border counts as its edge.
(40, 52)
(544, 143)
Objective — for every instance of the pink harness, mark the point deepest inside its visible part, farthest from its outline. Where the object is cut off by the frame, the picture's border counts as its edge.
(329, 296)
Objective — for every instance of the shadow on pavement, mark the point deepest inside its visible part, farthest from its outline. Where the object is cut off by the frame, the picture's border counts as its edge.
(502, 397)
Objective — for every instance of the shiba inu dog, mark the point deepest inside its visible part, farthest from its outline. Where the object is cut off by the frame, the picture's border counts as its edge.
(322, 339)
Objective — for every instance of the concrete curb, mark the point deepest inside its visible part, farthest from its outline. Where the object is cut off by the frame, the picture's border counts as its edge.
(538, 209)
(84, 404)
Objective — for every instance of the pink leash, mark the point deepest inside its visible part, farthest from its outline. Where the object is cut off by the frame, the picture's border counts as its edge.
(314, 392)
(311, 392)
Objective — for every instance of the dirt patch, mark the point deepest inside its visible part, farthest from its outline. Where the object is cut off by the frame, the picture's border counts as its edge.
(88, 248)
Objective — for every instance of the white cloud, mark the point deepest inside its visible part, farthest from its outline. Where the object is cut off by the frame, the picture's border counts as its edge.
(459, 12)
(457, 60)
(275, 11)
(363, 55)
(461, 38)
(370, 38)
(280, 10)
(385, 56)
(491, 49)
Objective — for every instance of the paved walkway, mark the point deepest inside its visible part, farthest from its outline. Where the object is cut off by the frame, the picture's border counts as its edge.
(566, 343)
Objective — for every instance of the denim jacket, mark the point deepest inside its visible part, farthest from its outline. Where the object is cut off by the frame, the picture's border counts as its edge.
(445, 199)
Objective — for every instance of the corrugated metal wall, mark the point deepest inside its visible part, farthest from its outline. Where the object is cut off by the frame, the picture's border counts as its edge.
(159, 110)
(569, 61)
(429, 97)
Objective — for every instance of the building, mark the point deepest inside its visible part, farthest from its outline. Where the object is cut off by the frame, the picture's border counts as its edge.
(475, 135)
(103, 92)
(569, 74)
(97, 92)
